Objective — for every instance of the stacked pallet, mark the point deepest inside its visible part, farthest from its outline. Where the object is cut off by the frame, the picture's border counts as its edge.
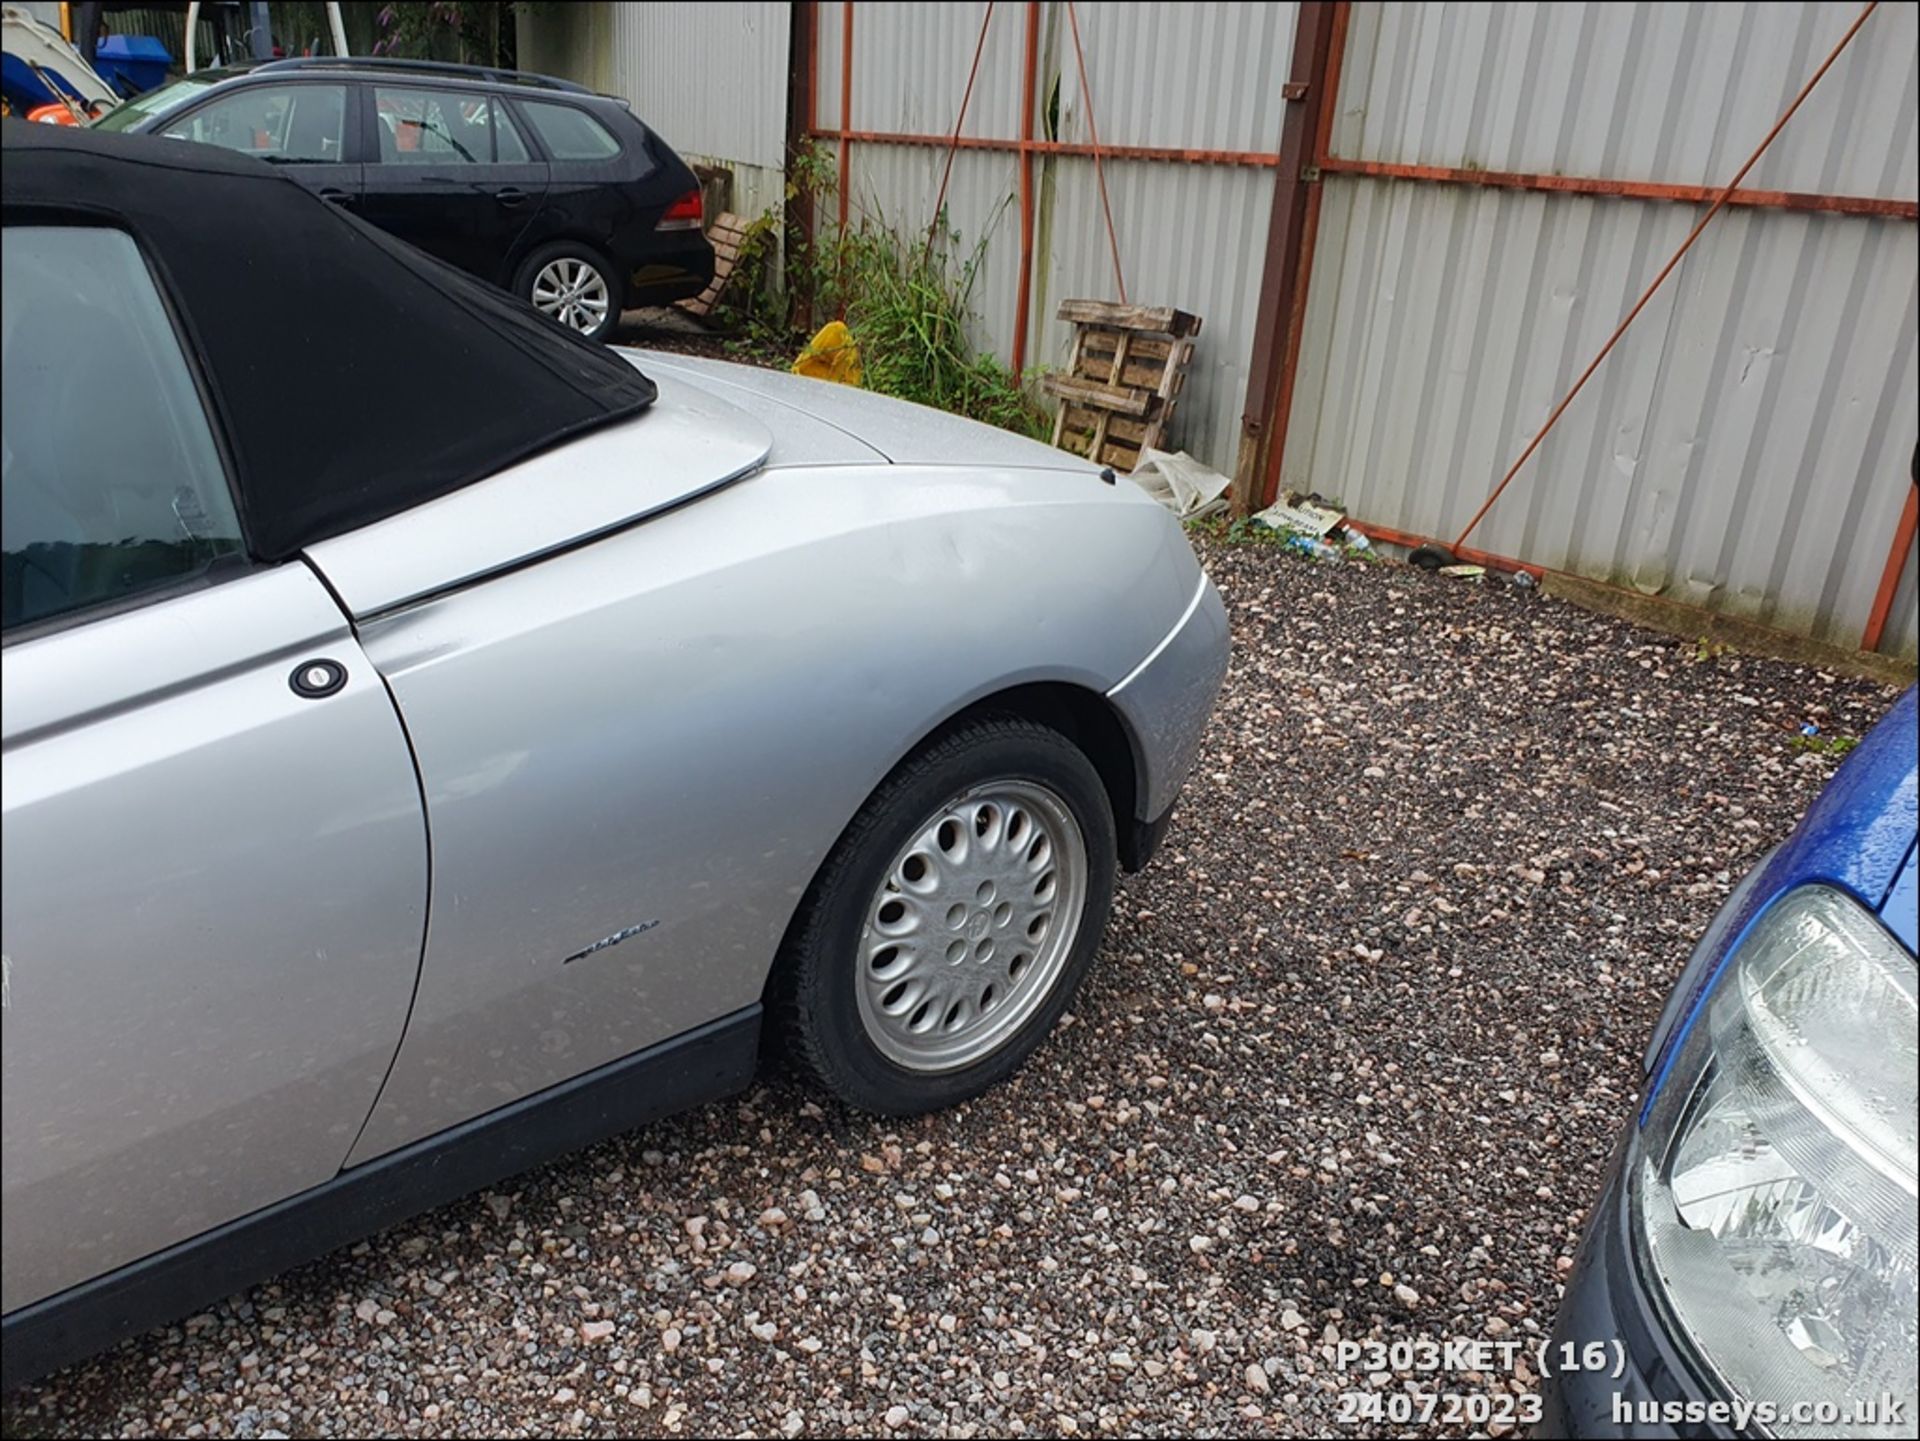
(728, 233)
(1118, 395)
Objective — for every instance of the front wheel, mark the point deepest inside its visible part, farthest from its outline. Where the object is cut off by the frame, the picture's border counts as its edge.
(573, 285)
(954, 920)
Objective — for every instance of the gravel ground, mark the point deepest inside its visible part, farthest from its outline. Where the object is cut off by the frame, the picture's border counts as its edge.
(1350, 1067)
(670, 329)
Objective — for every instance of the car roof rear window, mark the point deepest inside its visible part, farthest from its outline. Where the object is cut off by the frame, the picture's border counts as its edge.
(570, 133)
(476, 380)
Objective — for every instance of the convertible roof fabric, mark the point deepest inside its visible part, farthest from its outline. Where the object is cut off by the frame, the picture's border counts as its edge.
(350, 375)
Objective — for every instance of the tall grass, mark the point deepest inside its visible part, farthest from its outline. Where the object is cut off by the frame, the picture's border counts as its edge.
(907, 303)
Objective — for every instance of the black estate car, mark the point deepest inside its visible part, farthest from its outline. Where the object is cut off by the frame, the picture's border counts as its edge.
(534, 184)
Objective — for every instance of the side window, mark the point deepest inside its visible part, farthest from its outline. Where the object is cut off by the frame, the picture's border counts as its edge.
(512, 150)
(570, 134)
(437, 127)
(110, 481)
(290, 124)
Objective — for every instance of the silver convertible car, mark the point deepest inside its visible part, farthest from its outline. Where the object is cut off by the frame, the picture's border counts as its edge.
(434, 743)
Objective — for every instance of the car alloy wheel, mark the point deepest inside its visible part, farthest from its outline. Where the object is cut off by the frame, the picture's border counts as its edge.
(972, 926)
(951, 925)
(572, 292)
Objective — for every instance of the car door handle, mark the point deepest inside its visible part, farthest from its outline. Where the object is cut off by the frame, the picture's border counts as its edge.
(333, 195)
(510, 196)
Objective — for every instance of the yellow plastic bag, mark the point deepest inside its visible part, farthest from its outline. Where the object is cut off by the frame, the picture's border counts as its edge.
(832, 354)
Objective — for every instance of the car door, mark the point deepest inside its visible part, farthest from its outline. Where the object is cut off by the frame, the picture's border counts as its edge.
(600, 188)
(450, 172)
(215, 857)
(308, 126)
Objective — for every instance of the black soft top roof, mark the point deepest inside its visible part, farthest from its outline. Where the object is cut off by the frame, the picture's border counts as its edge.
(351, 375)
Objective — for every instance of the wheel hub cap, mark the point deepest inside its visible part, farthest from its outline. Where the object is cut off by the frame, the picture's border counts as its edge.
(573, 293)
(972, 926)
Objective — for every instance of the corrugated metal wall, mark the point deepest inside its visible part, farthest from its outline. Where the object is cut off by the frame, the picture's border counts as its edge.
(716, 75)
(712, 79)
(1746, 447)
(1191, 235)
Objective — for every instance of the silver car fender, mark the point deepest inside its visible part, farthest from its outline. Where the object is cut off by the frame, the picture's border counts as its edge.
(636, 753)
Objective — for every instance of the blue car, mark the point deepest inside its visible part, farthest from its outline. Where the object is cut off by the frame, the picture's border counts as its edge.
(1749, 1268)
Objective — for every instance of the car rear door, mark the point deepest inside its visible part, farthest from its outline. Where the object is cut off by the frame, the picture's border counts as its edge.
(449, 171)
(307, 126)
(605, 190)
(215, 854)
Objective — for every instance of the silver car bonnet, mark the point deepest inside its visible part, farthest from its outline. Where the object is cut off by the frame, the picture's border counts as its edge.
(906, 434)
(801, 436)
(689, 442)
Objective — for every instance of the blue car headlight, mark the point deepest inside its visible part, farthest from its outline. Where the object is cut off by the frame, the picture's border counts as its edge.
(1776, 1195)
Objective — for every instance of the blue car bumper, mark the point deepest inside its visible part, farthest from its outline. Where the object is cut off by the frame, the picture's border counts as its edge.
(1606, 1301)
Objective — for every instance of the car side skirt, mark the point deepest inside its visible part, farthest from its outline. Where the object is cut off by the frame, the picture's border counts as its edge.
(704, 1064)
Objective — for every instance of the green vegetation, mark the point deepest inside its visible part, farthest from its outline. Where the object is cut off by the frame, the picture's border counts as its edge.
(1833, 745)
(1246, 531)
(906, 302)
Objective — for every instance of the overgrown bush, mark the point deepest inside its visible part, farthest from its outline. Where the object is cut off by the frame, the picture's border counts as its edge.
(906, 302)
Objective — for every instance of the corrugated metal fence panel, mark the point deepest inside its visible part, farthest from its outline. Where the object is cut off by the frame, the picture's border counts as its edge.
(1678, 94)
(712, 79)
(1189, 77)
(1193, 236)
(1194, 76)
(895, 185)
(1746, 446)
(828, 27)
(1190, 236)
(910, 67)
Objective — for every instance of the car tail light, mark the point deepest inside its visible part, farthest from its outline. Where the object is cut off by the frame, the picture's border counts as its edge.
(685, 213)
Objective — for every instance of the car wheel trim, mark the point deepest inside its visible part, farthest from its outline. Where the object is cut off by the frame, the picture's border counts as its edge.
(573, 292)
(971, 926)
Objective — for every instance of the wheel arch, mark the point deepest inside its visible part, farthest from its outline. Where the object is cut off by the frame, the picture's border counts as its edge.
(1081, 714)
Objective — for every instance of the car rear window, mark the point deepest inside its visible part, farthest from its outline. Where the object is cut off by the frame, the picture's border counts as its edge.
(113, 485)
(571, 134)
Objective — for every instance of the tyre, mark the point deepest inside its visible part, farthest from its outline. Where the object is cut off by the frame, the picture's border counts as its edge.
(572, 284)
(953, 921)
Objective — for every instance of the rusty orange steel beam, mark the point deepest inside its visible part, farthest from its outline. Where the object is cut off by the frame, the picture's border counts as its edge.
(1890, 574)
(966, 99)
(1871, 205)
(1054, 147)
(1099, 168)
(1322, 141)
(846, 104)
(1626, 189)
(1023, 297)
(1699, 228)
(1467, 554)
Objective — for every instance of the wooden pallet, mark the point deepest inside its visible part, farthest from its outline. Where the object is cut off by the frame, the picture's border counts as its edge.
(728, 233)
(1118, 395)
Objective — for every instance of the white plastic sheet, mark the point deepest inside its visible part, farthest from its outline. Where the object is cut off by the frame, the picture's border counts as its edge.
(1181, 483)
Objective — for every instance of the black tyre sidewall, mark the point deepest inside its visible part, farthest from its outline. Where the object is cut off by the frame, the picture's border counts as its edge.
(834, 1040)
(575, 250)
